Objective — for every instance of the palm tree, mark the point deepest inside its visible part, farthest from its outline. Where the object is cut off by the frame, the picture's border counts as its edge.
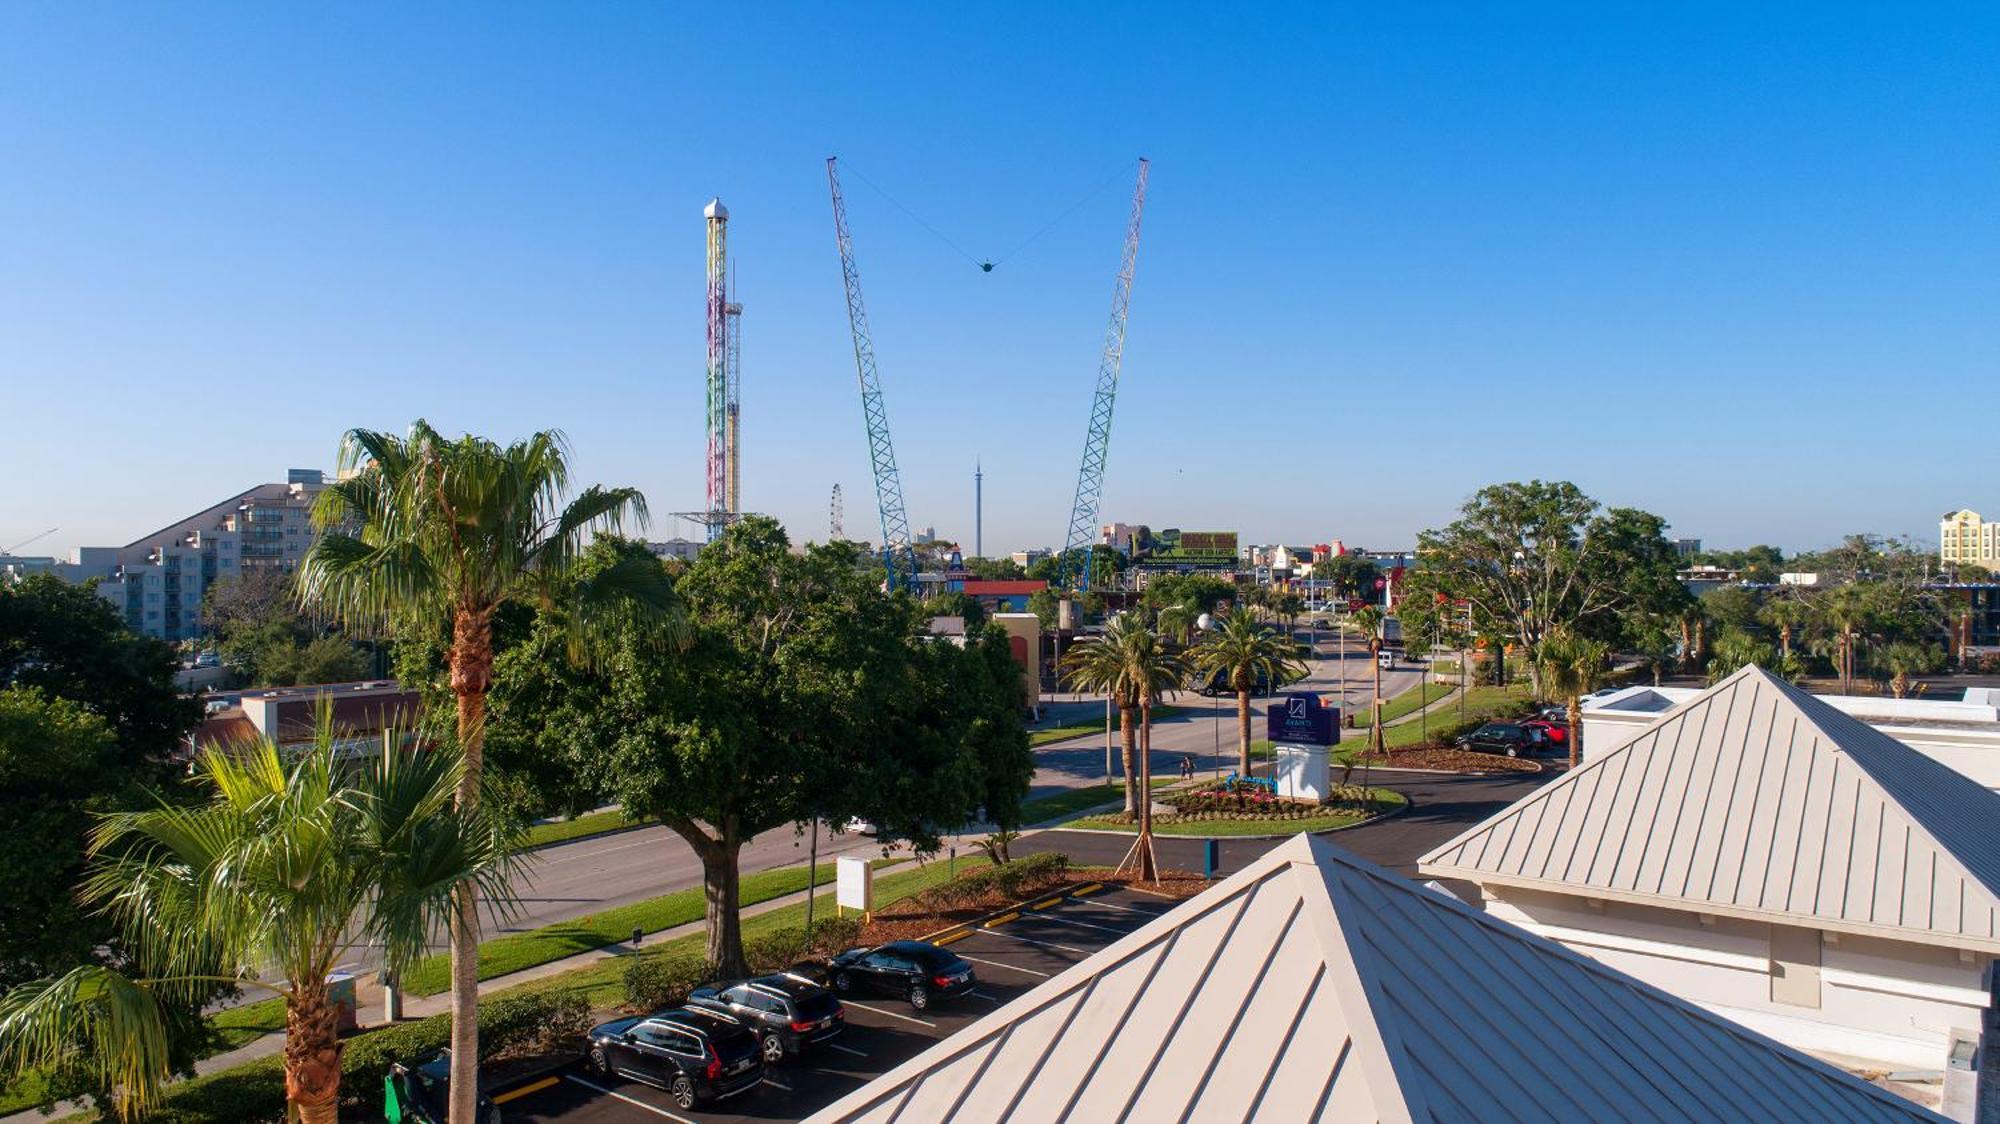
(443, 533)
(1571, 668)
(1904, 658)
(1243, 652)
(1787, 615)
(1130, 663)
(1367, 620)
(287, 864)
(1177, 622)
(1845, 614)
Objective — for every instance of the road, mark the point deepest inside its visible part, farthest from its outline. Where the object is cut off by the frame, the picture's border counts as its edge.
(1205, 729)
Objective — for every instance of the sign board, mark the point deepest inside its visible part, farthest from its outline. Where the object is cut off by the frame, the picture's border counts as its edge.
(854, 885)
(1302, 720)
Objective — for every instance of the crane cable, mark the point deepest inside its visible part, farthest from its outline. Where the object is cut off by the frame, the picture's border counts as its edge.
(987, 265)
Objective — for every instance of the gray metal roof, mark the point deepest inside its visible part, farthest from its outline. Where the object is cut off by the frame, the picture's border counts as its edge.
(1316, 986)
(1755, 799)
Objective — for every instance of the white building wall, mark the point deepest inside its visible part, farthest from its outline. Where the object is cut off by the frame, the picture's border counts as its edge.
(1890, 1002)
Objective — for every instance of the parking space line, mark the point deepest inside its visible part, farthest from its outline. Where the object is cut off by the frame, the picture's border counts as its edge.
(1044, 944)
(999, 964)
(847, 1049)
(777, 1084)
(1121, 908)
(978, 994)
(890, 1014)
(1154, 893)
(634, 1101)
(531, 1087)
(1084, 924)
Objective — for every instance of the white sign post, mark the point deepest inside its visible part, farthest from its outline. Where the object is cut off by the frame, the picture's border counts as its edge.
(854, 886)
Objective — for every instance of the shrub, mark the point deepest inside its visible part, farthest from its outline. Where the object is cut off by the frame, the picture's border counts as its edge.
(653, 982)
(1008, 880)
(253, 1093)
(786, 948)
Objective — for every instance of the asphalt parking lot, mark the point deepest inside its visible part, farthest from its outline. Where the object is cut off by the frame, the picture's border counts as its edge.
(1011, 957)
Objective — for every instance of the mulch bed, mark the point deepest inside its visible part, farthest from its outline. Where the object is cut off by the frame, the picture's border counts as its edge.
(1450, 761)
(908, 920)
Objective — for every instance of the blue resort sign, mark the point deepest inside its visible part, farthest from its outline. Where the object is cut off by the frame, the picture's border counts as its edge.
(1301, 720)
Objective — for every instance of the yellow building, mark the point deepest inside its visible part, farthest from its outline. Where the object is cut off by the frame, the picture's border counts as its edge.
(1965, 538)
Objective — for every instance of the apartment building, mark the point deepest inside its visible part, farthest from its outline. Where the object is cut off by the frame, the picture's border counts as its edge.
(1966, 539)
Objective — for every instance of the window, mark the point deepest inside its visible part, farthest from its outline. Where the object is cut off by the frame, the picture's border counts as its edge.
(649, 1035)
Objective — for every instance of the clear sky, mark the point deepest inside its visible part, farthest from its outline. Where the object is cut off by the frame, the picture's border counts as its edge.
(1735, 264)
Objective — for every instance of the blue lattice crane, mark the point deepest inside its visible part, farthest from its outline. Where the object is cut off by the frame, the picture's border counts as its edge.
(897, 556)
(1074, 571)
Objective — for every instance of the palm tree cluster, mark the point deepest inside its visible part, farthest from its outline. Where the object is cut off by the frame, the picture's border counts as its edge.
(286, 864)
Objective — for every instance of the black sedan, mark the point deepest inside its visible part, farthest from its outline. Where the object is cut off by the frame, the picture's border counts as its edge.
(1510, 738)
(914, 970)
(788, 1013)
(697, 1056)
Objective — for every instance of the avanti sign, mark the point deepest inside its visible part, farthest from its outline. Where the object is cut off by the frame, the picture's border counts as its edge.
(1302, 720)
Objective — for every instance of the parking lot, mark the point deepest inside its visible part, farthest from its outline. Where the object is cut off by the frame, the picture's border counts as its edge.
(1011, 956)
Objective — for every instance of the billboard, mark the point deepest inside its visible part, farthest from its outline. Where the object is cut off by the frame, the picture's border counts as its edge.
(1302, 720)
(1201, 548)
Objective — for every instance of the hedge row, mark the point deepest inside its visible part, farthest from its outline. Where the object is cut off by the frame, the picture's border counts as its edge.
(254, 1093)
(1017, 879)
(655, 982)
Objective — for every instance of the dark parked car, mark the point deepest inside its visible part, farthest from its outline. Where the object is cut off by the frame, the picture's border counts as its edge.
(787, 1013)
(1510, 738)
(421, 1094)
(916, 970)
(696, 1055)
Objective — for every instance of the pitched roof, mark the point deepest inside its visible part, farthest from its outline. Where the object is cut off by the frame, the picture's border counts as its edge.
(1313, 985)
(1754, 799)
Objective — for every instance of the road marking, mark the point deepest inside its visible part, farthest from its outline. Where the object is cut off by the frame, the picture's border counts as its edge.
(891, 1014)
(1154, 893)
(1084, 924)
(530, 1087)
(775, 1083)
(847, 1049)
(1011, 915)
(1044, 944)
(1121, 908)
(634, 1101)
(978, 994)
(998, 964)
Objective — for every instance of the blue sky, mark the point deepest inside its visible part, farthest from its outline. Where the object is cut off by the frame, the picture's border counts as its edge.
(1732, 264)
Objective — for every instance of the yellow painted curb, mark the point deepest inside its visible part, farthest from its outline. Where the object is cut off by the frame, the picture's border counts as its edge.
(1086, 888)
(958, 936)
(1011, 915)
(530, 1087)
(1047, 902)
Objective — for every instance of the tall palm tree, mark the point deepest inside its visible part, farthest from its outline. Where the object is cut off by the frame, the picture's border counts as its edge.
(1845, 614)
(292, 864)
(1243, 652)
(442, 533)
(1367, 620)
(1572, 667)
(1177, 622)
(1787, 615)
(1130, 663)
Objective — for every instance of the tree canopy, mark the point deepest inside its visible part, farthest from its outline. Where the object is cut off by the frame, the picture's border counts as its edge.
(70, 643)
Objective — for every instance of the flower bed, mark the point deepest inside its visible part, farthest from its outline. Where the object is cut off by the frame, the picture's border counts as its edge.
(984, 889)
(1237, 799)
(1447, 760)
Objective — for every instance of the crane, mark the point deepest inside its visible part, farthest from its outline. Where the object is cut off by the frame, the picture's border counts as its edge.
(32, 538)
(897, 556)
(1097, 442)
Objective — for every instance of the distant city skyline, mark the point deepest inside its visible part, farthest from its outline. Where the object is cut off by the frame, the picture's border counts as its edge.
(1735, 268)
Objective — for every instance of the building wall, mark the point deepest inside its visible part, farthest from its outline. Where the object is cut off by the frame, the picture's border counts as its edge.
(1890, 1002)
(1964, 537)
(1024, 640)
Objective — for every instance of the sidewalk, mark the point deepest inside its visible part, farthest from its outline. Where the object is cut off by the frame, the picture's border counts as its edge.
(414, 1007)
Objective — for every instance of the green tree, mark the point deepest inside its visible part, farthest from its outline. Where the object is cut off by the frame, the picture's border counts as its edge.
(1784, 614)
(427, 530)
(1735, 649)
(957, 604)
(1353, 575)
(1130, 663)
(1243, 653)
(1367, 621)
(1904, 659)
(1572, 666)
(1204, 593)
(290, 866)
(1734, 606)
(70, 643)
(1532, 558)
(806, 692)
(994, 569)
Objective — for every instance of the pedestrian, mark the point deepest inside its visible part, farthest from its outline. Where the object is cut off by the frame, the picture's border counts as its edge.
(1187, 767)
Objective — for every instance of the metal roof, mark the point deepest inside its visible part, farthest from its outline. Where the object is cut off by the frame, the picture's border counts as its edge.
(1754, 799)
(1313, 985)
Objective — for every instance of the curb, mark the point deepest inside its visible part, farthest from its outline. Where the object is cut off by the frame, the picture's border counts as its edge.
(1008, 913)
(1540, 768)
(1391, 814)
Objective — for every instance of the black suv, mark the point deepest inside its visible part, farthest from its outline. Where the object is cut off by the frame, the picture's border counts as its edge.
(787, 1013)
(695, 1055)
(916, 970)
(1509, 738)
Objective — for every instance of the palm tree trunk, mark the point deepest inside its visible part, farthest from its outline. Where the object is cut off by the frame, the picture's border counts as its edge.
(1243, 728)
(1128, 739)
(1785, 642)
(1149, 870)
(312, 1053)
(1575, 731)
(1375, 742)
(471, 678)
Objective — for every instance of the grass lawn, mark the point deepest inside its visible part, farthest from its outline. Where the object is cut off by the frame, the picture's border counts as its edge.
(588, 824)
(1077, 799)
(1389, 799)
(1409, 701)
